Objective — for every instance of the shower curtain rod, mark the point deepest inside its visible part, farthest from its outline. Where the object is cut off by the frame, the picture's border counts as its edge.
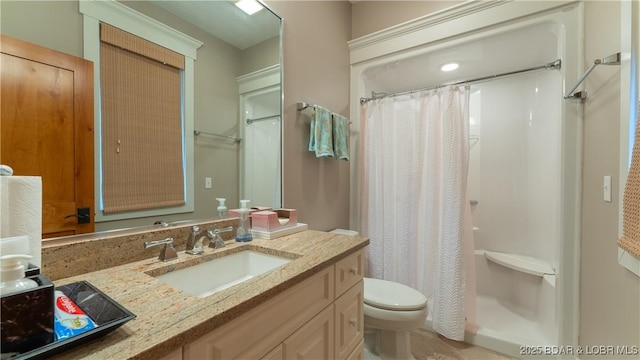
(249, 121)
(548, 66)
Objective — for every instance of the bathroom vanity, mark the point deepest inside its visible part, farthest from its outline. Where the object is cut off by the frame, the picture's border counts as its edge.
(310, 307)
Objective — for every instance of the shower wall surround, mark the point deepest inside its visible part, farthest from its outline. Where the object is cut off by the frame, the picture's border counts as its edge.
(523, 136)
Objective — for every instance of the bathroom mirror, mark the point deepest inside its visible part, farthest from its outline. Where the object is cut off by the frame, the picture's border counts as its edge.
(236, 46)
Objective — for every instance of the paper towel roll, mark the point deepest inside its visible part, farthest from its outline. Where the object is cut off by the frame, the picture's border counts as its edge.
(21, 211)
(16, 245)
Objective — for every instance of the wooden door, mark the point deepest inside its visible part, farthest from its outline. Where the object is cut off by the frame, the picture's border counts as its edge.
(46, 129)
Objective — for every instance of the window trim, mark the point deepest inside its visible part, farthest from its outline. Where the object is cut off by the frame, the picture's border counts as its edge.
(127, 19)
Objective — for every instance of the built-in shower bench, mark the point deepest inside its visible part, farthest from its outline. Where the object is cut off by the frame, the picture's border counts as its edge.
(522, 263)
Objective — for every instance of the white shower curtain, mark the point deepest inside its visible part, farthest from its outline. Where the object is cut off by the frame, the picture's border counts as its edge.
(415, 208)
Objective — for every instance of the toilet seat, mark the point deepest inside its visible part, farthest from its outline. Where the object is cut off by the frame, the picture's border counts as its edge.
(392, 296)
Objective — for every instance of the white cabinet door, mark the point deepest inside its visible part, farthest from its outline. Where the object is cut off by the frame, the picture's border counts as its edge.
(349, 320)
(255, 333)
(275, 354)
(314, 340)
(348, 272)
(358, 352)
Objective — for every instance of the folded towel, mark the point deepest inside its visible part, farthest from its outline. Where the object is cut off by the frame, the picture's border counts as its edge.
(321, 135)
(340, 136)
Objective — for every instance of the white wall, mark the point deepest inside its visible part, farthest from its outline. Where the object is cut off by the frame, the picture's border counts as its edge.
(515, 164)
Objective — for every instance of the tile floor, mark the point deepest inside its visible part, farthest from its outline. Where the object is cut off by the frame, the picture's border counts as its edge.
(426, 345)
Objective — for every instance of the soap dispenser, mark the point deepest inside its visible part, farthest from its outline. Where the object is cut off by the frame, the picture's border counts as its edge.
(12, 274)
(222, 209)
(244, 228)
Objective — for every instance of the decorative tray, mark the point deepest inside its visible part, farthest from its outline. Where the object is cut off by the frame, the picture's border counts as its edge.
(270, 235)
(103, 310)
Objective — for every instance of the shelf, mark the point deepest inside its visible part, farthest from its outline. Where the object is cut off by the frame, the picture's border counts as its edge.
(525, 264)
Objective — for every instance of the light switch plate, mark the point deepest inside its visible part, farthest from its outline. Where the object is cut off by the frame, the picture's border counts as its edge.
(207, 183)
(606, 188)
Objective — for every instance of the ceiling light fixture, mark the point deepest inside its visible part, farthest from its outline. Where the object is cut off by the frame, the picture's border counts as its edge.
(449, 66)
(249, 6)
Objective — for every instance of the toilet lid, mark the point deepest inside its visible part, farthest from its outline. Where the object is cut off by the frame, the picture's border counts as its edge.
(392, 296)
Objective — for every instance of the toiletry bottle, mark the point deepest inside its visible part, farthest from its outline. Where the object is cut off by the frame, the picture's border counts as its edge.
(244, 231)
(222, 209)
(12, 274)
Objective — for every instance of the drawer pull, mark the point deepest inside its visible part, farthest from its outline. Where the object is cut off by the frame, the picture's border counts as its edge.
(353, 322)
(353, 271)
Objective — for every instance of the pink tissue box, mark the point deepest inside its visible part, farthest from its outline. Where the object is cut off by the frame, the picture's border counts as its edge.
(267, 220)
(252, 210)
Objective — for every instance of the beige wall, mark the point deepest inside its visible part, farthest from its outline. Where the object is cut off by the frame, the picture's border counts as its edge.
(260, 56)
(316, 70)
(609, 294)
(55, 25)
(371, 16)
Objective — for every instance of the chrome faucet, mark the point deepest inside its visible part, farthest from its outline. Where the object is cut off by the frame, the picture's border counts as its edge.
(167, 253)
(195, 242)
(216, 241)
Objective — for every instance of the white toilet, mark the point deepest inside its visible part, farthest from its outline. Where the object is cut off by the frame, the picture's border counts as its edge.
(391, 312)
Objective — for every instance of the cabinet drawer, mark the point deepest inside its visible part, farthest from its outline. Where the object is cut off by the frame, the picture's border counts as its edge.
(348, 272)
(314, 340)
(349, 320)
(255, 333)
(275, 354)
(358, 352)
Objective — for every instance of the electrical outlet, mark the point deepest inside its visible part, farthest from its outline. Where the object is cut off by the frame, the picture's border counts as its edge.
(207, 183)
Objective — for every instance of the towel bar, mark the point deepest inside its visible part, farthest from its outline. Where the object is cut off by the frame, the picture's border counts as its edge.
(235, 139)
(303, 105)
(609, 60)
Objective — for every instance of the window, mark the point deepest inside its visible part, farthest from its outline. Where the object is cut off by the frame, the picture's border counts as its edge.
(141, 108)
(122, 24)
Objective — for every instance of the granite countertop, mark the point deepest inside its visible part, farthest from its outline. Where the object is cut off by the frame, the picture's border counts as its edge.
(168, 318)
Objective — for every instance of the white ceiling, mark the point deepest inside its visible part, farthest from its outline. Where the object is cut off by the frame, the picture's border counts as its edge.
(225, 21)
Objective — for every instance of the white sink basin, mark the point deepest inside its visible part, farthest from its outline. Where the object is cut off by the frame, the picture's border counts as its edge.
(218, 274)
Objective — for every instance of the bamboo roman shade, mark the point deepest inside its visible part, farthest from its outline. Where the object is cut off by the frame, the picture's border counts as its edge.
(630, 240)
(142, 137)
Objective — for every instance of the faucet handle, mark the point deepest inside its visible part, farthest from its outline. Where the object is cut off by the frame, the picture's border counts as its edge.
(225, 229)
(168, 252)
(215, 240)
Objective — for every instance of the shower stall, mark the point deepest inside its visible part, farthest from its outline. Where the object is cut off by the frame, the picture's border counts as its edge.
(261, 131)
(515, 183)
(524, 157)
